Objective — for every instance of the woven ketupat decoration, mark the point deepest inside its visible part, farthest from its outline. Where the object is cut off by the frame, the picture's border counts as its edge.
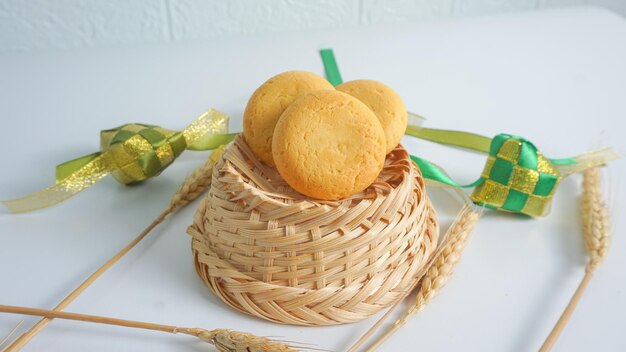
(517, 177)
(141, 151)
(131, 153)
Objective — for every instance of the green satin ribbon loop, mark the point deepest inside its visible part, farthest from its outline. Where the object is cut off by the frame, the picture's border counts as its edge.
(330, 67)
(433, 172)
(564, 161)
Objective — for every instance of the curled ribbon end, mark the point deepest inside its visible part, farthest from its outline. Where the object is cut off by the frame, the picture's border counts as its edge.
(29, 203)
(17, 206)
(588, 160)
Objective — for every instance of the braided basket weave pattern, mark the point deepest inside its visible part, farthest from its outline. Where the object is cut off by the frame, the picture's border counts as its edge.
(271, 252)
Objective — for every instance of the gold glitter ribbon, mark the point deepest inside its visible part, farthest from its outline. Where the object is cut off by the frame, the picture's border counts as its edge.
(131, 153)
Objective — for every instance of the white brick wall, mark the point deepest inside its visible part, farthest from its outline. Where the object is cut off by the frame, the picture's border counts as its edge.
(27, 25)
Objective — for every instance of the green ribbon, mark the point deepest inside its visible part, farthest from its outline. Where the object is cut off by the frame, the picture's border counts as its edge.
(212, 141)
(65, 169)
(330, 67)
(433, 172)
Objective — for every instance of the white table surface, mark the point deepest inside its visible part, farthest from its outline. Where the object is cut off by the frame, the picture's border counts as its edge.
(556, 77)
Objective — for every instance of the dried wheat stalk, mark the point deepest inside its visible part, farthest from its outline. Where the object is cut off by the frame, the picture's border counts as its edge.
(596, 234)
(193, 186)
(224, 340)
(437, 273)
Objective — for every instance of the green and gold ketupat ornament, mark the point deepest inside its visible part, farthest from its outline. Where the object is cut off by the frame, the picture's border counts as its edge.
(517, 177)
(131, 153)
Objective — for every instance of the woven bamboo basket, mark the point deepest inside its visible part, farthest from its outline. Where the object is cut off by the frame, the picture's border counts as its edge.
(268, 251)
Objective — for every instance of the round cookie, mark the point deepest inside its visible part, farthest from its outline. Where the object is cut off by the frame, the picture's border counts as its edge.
(269, 101)
(329, 145)
(385, 103)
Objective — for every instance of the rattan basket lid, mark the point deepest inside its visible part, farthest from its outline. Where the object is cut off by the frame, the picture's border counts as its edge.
(271, 252)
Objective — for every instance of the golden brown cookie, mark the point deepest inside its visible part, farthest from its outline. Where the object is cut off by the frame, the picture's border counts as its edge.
(329, 145)
(385, 103)
(269, 101)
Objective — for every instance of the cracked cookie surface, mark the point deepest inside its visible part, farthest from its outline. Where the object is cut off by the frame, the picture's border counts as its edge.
(329, 145)
(385, 103)
(269, 101)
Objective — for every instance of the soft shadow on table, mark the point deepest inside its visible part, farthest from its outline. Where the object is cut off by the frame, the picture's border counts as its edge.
(550, 297)
(569, 247)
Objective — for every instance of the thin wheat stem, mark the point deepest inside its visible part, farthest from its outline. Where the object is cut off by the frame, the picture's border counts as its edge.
(596, 235)
(194, 185)
(567, 314)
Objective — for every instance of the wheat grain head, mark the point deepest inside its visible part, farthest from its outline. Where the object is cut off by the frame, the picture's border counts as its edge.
(595, 219)
(196, 183)
(234, 341)
(441, 270)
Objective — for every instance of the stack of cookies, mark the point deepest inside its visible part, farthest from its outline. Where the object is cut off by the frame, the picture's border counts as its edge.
(327, 143)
